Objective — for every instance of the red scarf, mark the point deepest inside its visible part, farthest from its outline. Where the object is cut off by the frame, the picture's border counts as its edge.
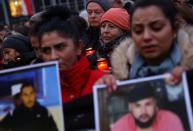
(74, 81)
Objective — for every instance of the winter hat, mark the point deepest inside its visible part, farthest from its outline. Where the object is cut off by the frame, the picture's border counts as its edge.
(18, 42)
(103, 3)
(118, 17)
(141, 91)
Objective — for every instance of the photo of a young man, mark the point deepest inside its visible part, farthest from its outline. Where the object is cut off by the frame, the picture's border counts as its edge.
(148, 104)
(144, 113)
(29, 115)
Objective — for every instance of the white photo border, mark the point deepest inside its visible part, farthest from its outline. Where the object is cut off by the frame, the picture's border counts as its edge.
(120, 83)
(40, 65)
(187, 99)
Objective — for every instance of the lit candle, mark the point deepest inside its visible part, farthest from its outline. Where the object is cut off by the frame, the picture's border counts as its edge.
(102, 64)
(89, 51)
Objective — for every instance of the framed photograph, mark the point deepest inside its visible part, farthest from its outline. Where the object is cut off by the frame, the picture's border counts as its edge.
(30, 98)
(153, 103)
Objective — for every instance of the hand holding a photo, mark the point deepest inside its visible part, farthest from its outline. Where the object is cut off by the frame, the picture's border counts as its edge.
(109, 80)
(176, 74)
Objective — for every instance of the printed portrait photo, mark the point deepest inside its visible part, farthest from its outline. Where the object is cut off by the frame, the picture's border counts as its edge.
(30, 99)
(152, 103)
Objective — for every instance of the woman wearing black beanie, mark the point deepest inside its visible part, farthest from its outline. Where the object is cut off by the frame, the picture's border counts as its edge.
(17, 51)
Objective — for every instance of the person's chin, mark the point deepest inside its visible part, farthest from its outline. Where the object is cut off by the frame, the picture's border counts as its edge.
(61, 68)
(95, 24)
(106, 41)
(29, 105)
(145, 123)
(151, 56)
(145, 120)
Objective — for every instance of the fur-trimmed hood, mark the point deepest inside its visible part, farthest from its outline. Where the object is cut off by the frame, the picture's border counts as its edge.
(124, 54)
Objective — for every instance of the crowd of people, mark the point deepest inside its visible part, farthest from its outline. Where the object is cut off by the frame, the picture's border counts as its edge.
(117, 41)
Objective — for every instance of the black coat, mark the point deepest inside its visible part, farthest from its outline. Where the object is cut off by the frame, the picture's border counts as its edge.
(91, 38)
(104, 50)
(24, 119)
(79, 114)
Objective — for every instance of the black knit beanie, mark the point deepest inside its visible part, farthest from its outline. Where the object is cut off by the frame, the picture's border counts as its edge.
(18, 42)
(103, 3)
(141, 91)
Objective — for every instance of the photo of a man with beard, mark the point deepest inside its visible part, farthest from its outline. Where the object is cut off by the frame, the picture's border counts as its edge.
(144, 114)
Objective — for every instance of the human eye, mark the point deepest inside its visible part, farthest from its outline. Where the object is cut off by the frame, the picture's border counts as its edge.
(59, 47)
(98, 11)
(157, 27)
(89, 12)
(136, 105)
(111, 26)
(103, 25)
(137, 30)
(46, 50)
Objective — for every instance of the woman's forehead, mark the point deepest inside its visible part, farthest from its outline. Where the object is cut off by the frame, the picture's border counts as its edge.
(150, 13)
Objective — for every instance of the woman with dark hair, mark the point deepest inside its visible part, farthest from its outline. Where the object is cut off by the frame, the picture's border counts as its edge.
(61, 40)
(154, 49)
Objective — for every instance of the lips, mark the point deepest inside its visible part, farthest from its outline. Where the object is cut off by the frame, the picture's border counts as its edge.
(107, 38)
(144, 117)
(149, 48)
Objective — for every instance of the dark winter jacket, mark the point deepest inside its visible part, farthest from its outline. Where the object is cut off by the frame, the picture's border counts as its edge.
(22, 118)
(104, 50)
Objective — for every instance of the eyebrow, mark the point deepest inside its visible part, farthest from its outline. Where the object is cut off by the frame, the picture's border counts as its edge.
(53, 45)
(151, 23)
(155, 22)
(94, 10)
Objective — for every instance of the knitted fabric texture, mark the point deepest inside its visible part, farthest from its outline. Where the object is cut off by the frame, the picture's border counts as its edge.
(117, 16)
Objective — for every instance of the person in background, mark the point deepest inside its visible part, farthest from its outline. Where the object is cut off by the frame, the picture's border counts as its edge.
(117, 3)
(60, 40)
(144, 113)
(37, 17)
(17, 51)
(33, 36)
(95, 10)
(152, 50)
(115, 30)
(30, 115)
(126, 4)
(3, 33)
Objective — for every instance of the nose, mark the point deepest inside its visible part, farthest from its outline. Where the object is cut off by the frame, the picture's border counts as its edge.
(105, 29)
(6, 58)
(143, 110)
(147, 34)
(92, 14)
(54, 55)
